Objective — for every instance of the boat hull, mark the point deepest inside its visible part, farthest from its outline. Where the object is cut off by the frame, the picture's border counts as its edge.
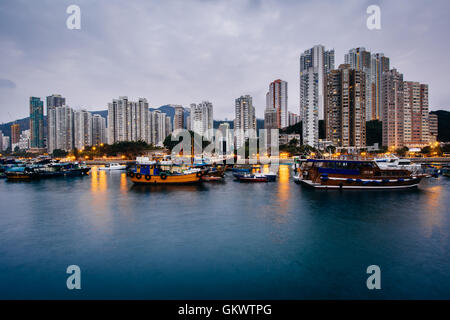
(244, 179)
(361, 185)
(21, 177)
(170, 179)
(112, 168)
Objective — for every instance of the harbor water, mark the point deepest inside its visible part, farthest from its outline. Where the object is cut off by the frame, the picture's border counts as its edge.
(225, 240)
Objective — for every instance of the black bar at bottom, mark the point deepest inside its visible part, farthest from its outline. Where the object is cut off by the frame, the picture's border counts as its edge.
(224, 309)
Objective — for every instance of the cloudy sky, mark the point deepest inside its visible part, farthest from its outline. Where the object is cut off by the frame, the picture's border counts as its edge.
(186, 51)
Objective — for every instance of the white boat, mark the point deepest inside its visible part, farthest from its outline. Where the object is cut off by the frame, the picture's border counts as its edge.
(393, 163)
(113, 166)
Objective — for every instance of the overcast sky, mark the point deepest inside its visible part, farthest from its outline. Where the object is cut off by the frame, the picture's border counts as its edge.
(180, 52)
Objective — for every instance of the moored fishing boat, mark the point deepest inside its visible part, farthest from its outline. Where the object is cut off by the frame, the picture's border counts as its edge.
(113, 166)
(354, 174)
(65, 169)
(21, 174)
(164, 173)
(214, 173)
(253, 178)
(256, 170)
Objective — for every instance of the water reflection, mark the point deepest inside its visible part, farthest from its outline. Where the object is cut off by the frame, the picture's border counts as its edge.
(99, 183)
(283, 191)
(123, 183)
(148, 188)
(434, 212)
(100, 215)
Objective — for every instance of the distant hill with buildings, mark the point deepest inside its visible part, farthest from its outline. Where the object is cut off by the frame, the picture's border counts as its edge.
(373, 132)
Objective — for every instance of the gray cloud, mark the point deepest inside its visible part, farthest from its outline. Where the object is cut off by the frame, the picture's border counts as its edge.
(189, 50)
(5, 83)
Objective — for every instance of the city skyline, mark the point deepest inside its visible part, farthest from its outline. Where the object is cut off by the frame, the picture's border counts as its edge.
(79, 66)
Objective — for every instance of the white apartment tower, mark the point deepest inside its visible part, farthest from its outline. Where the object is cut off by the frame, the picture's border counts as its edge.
(201, 118)
(160, 127)
(98, 130)
(315, 63)
(54, 101)
(64, 128)
(127, 120)
(82, 125)
(245, 120)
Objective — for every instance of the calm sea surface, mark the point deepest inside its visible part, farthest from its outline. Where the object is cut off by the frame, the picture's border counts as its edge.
(221, 240)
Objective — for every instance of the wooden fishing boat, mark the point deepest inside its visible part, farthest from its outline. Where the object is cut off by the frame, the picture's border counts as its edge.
(354, 174)
(21, 174)
(157, 173)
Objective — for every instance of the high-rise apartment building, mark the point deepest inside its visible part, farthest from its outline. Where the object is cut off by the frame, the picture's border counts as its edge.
(168, 127)
(15, 133)
(345, 116)
(434, 126)
(271, 120)
(158, 122)
(293, 118)
(178, 118)
(82, 126)
(415, 107)
(361, 59)
(128, 120)
(225, 138)
(379, 65)
(315, 63)
(37, 122)
(277, 99)
(54, 101)
(5, 142)
(310, 106)
(321, 61)
(392, 114)
(98, 130)
(64, 128)
(245, 120)
(201, 117)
